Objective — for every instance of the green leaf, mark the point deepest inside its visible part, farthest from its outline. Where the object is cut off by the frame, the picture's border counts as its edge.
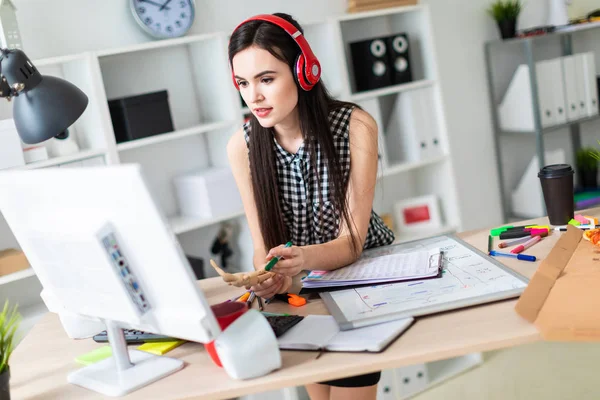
(502, 10)
(10, 319)
(587, 158)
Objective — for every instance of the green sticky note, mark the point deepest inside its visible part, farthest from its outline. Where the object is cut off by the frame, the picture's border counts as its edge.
(94, 356)
(574, 222)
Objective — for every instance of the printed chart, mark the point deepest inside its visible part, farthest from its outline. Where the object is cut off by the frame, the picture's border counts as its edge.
(469, 277)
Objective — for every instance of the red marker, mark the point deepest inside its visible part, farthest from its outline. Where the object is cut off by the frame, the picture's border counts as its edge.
(526, 245)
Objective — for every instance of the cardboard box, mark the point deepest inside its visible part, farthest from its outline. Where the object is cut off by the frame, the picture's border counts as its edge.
(562, 298)
(367, 5)
(12, 260)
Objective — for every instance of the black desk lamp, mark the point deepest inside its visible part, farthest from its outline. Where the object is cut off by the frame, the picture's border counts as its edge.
(45, 106)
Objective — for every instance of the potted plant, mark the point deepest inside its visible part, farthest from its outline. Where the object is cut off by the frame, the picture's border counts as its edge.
(587, 167)
(505, 13)
(9, 322)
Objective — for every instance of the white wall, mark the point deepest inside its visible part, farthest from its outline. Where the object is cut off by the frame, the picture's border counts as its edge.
(56, 27)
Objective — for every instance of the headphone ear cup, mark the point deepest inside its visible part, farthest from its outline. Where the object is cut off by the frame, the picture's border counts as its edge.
(299, 74)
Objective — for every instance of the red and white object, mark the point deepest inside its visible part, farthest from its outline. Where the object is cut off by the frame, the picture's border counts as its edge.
(418, 214)
(526, 245)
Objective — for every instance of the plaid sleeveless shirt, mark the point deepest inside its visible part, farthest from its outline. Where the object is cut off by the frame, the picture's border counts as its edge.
(308, 218)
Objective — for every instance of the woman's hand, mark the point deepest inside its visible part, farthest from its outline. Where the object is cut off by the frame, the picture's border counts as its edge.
(269, 288)
(291, 261)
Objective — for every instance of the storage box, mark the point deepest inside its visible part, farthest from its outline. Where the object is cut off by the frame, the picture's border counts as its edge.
(140, 116)
(207, 193)
(12, 260)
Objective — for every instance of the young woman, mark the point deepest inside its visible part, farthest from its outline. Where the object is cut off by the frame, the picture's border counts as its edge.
(305, 165)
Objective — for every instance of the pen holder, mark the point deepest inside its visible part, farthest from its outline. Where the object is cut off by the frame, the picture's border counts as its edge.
(225, 313)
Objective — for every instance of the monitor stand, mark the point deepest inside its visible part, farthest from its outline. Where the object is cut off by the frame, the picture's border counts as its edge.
(126, 370)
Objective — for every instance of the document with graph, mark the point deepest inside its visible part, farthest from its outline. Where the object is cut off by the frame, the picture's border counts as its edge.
(469, 277)
(395, 267)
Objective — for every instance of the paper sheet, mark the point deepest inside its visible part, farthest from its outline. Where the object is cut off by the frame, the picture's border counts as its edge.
(401, 266)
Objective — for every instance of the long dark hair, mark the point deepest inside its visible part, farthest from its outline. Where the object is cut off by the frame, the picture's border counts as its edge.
(313, 111)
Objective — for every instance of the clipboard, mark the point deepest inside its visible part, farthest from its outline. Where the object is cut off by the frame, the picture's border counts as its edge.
(470, 277)
(439, 259)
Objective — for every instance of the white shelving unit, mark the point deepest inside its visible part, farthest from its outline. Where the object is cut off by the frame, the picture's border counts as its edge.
(206, 110)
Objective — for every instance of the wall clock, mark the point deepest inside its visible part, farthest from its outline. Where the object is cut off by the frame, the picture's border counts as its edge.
(164, 19)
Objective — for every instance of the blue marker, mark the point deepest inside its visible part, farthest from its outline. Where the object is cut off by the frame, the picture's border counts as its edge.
(523, 257)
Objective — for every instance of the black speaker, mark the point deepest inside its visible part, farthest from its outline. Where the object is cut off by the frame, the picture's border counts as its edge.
(399, 58)
(197, 265)
(370, 60)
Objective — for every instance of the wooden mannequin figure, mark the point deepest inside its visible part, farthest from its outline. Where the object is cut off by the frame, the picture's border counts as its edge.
(246, 279)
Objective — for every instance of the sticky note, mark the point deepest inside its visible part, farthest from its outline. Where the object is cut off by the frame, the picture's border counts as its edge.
(581, 219)
(160, 348)
(574, 222)
(94, 356)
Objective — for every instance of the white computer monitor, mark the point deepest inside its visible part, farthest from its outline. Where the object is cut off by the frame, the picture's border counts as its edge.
(103, 250)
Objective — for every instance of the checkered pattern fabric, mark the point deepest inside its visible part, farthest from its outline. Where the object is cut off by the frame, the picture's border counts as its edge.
(312, 219)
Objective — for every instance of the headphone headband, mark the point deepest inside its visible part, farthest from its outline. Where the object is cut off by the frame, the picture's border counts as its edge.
(307, 68)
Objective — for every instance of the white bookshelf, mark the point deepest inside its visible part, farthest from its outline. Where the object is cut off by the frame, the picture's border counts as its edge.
(206, 110)
(403, 87)
(16, 276)
(52, 162)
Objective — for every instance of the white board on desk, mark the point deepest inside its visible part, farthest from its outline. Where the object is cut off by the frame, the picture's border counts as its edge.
(470, 277)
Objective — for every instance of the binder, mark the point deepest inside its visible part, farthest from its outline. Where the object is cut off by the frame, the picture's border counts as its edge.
(581, 83)
(431, 128)
(403, 131)
(339, 279)
(412, 130)
(556, 86)
(516, 109)
(569, 79)
(372, 107)
(545, 82)
(591, 84)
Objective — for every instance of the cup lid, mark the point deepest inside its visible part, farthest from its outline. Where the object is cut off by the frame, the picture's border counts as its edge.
(556, 171)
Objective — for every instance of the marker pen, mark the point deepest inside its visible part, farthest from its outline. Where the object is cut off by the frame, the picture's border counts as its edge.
(523, 257)
(526, 245)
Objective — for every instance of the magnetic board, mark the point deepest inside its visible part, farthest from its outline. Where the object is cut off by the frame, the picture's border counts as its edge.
(469, 277)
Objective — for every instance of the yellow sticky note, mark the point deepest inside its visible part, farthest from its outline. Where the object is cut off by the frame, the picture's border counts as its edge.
(160, 348)
(94, 356)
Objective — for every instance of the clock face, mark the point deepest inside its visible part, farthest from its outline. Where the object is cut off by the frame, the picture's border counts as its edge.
(164, 18)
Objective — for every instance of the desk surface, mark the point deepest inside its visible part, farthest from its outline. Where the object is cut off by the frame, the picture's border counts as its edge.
(40, 364)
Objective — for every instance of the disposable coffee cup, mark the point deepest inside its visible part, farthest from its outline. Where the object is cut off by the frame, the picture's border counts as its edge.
(559, 197)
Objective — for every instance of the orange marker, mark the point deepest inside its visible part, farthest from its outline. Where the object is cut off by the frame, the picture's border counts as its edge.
(244, 297)
(292, 299)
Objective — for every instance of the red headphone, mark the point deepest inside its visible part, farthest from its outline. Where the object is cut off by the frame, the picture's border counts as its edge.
(307, 69)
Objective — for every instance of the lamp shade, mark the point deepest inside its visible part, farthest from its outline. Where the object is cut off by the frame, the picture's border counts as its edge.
(48, 109)
(44, 106)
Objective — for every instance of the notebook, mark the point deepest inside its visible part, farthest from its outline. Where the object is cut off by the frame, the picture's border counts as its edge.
(395, 267)
(321, 332)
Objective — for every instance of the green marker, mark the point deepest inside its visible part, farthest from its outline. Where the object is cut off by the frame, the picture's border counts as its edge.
(270, 314)
(275, 259)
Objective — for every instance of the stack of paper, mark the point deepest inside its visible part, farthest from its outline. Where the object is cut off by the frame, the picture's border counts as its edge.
(389, 268)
